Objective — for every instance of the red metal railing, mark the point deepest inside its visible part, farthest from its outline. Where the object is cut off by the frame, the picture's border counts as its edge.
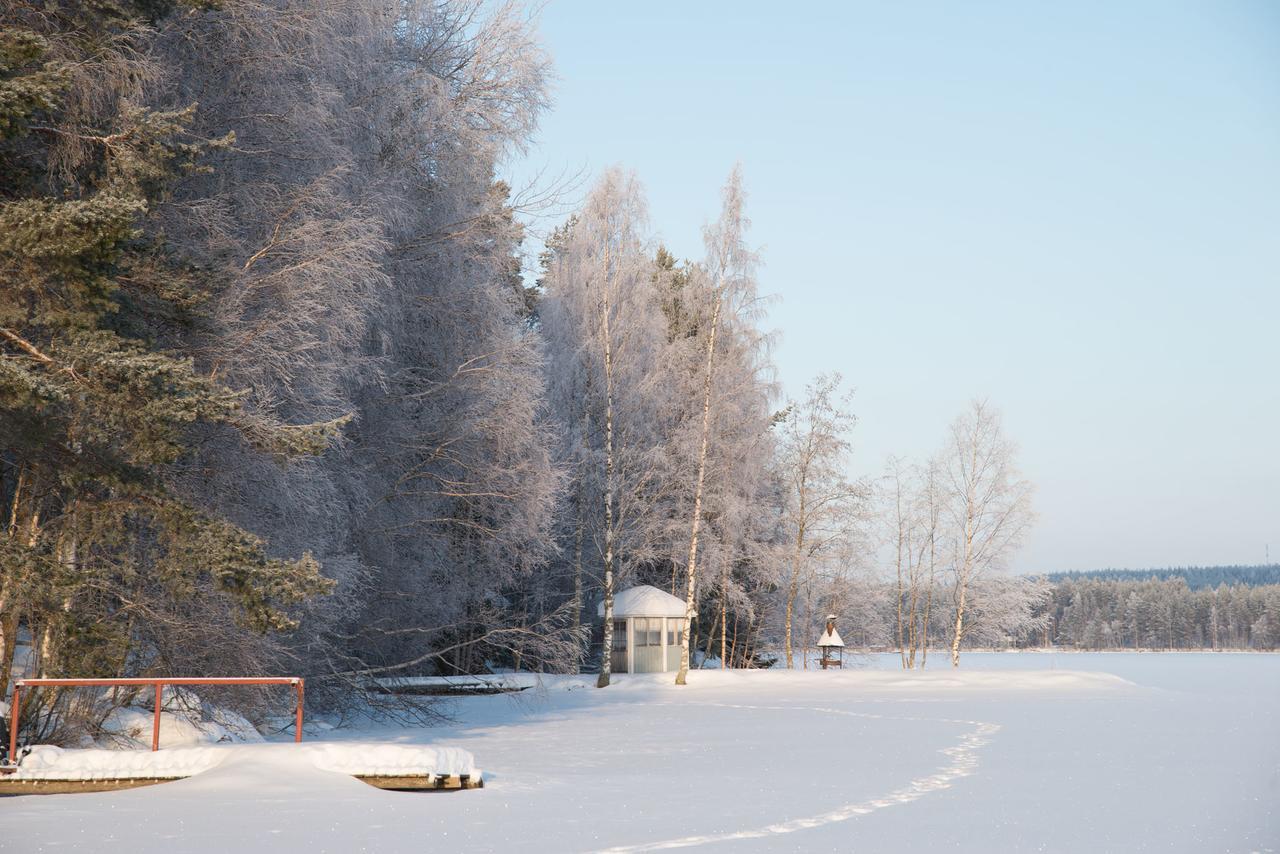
(158, 684)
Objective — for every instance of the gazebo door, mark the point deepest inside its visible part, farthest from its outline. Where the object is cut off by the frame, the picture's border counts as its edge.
(646, 645)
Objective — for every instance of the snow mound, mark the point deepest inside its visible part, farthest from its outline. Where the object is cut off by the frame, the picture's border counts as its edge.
(132, 726)
(46, 762)
(392, 760)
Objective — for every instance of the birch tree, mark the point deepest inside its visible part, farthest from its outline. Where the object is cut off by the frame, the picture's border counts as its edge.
(912, 512)
(822, 505)
(987, 506)
(730, 266)
(600, 316)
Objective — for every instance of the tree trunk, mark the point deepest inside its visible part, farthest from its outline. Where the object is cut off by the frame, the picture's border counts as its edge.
(9, 608)
(959, 631)
(692, 580)
(711, 639)
(724, 613)
(749, 643)
(733, 648)
(928, 608)
(792, 592)
(8, 648)
(607, 659)
(902, 645)
(577, 576)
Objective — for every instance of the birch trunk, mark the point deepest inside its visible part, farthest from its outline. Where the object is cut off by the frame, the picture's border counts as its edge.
(724, 612)
(607, 659)
(697, 492)
(792, 592)
(794, 589)
(928, 607)
(577, 575)
(902, 647)
(959, 630)
(577, 551)
(963, 577)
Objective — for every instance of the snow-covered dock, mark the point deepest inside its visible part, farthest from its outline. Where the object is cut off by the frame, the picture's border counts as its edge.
(53, 770)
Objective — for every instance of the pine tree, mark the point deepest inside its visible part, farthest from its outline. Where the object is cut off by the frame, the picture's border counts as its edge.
(97, 396)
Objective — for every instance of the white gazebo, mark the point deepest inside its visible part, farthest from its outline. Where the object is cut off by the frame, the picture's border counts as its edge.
(648, 629)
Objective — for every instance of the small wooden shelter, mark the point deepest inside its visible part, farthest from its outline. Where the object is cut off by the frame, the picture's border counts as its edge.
(831, 645)
(648, 629)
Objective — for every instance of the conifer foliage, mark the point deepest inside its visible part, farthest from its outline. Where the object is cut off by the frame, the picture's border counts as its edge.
(97, 394)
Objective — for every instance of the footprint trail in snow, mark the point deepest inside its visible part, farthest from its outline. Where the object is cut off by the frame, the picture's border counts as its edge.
(962, 756)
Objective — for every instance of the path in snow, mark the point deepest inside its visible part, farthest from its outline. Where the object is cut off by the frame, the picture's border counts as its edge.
(963, 760)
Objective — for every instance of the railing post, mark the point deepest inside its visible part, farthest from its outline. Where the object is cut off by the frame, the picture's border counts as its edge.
(297, 736)
(155, 726)
(14, 711)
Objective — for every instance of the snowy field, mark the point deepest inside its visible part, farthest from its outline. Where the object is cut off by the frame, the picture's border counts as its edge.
(1014, 752)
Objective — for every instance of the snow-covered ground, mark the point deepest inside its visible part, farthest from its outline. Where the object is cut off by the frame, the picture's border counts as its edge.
(1013, 752)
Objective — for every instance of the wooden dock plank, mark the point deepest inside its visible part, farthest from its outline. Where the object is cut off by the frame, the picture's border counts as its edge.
(422, 782)
(11, 786)
(405, 783)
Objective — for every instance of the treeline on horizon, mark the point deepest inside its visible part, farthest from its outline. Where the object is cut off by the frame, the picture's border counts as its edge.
(1159, 613)
(1197, 577)
(1088, 613)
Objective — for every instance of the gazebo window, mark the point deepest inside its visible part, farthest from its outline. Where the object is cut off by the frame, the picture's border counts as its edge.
(675, 632)
(648, 631)
(619, 635)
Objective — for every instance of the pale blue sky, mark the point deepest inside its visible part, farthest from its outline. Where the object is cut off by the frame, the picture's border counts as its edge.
(1070, 209)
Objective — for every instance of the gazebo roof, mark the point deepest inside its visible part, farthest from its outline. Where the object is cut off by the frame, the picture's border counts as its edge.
(644, 601)
(831, 638)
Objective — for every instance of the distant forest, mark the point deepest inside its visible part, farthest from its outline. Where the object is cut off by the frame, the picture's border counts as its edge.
(1216, 607)
(1197, 577)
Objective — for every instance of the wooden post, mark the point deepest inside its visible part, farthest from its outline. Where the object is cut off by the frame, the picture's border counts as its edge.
(14, 711)
(155, 726)
(297, 736)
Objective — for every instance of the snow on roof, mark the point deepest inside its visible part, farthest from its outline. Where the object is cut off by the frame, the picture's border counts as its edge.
(831, 638)
(644, 601)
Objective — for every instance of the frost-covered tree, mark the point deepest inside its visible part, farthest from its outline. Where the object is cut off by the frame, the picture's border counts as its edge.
(987, 507)
(911, 508)
(1002, 610)
(823, 507)
(370, 253)
(730, 415)
(599, 314)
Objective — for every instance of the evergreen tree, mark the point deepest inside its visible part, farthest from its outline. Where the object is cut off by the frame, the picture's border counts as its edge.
(97, 396)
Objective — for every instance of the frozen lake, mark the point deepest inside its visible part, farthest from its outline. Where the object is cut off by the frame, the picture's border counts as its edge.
(1014, 752)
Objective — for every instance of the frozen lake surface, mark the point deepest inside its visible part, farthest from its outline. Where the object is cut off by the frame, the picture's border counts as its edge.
(1014, 752)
